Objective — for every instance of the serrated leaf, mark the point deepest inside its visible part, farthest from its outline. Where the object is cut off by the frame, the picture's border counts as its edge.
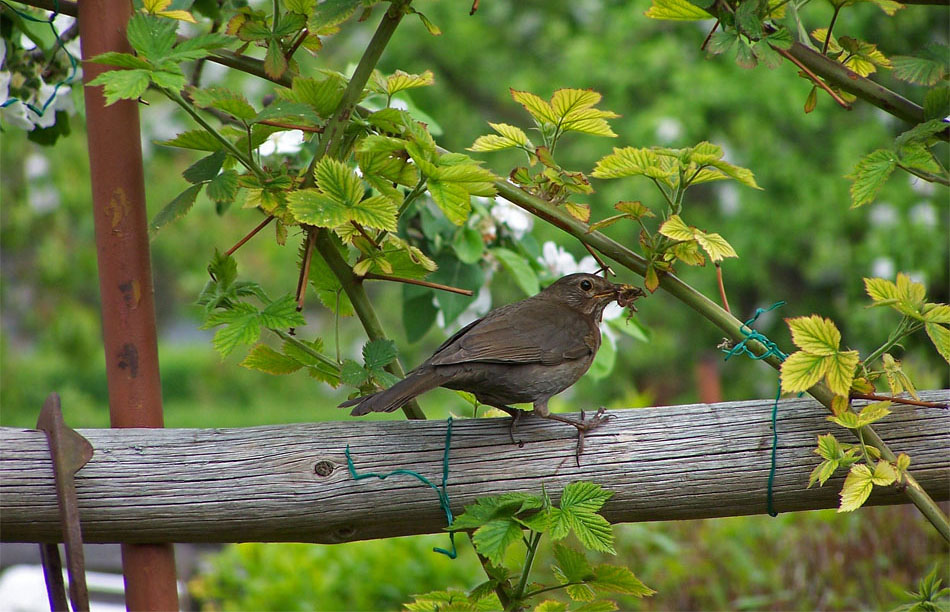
(828, 447)
(676, 228)
(873, 413)
(151, 36)
(721, 42)
(265, 359)
(940, 336)
(715, 246)
(618, 579)
(593, 531)
(881, 290)
(581, 212)
(223, 187)
(849, 420)
(323, 95)
(282, 313)
(175, 209)
(857, 487)
(452, 199)
(295, 352)
(815, 334)
(537, 107)
(122, 84)
(311, 207)
(353, 374)
(205, 168)
(494, 537)
(378, 212)
(584, 497)
(801, 371)
(241, 326)
(676, 10)
(121, 60)
(338, 181)
(468, 245)
(572, 564)
(508, 136)
(519, 268)
(401, 81)
(841, 371)
(379, 353)
(823, 472)
(631, 161)
(199, 140)
(884, 474)
(869, 176)
(918, 70)
(550, 605)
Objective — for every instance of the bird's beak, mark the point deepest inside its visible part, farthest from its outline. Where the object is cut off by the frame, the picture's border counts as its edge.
(627, 295)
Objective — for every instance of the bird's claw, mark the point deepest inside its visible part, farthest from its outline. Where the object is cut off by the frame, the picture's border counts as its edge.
(583, 426)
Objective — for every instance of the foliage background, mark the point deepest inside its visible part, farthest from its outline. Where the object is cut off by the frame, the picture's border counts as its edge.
(797, 241)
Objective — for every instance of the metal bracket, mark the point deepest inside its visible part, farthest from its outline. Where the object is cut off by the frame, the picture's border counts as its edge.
(69, 452)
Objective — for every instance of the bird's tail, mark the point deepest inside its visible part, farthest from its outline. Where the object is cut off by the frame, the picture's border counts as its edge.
(415, 383)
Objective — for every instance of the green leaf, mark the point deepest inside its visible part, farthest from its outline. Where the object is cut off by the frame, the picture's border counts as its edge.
(452, 199)
(454, 273)
(618, 579)
(508, 136)
(401, 81)
(312, 207)
(802, 370)
(537, 107)
(572, 565)
(223, 187)
(469, 245)
(870, 175)
(584, 497)
(265, 359)
(205, 168)
(122, 84)
(676, 10)
(764, 52)
(551, 605)
(840, 371)
(338, 181)
(721, 42)
(323, 95)
(519, 268)
(121, 60)
(937, 102)
(328, 287)
(199, 140)
(676, 228)
(580, 212)
(823, 472)
(631, 161)
(602, 605)
(282, 313)
(275, 64)
(224, 100)
(418, 311)
(378, 212)
(379, 353)
(494, 537)
(175, 209)
(940, 336)
(241, 326)
(815, 334)
(353, 374)
(152, 37)
(333, 12)
(577, 512)
(884, 474)
(857, 487)
(575, 112)
(427, 23)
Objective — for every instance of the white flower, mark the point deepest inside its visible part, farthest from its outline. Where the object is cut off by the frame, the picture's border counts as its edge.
(516, 220)
(288, 142)
(668, 129)
(882, 267)
(16, 114)
(883, 215)
(561, 263)
(924, 214)
(48, 100)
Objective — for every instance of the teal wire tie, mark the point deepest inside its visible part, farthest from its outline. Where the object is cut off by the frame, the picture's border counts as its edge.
(440, 490)
(771, 349)
(73, 62)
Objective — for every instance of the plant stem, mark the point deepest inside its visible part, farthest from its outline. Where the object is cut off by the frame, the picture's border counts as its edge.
(814, 77)
(535, 540)
(416, 281)
(707, 308)
(503, 595)
(831, 27)
(361, 304)
(307, 349)
(175, 97)
(904, 327)
(897, 400)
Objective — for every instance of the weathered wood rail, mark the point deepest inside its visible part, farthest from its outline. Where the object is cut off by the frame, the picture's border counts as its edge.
(267, 483)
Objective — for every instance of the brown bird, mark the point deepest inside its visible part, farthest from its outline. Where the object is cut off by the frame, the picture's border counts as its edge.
(524, 352)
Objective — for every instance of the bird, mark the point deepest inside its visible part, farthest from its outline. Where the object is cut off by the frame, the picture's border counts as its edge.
(524, 352)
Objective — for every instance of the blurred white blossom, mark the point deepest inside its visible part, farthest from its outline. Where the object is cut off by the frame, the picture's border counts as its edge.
(283, 143)
(561, 263)
(516, 220)
(883, 267)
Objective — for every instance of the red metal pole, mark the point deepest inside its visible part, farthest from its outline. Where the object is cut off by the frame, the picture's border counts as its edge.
(125, 280)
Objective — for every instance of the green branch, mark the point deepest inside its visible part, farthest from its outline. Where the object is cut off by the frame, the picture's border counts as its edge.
(709, 309)
(361, 304)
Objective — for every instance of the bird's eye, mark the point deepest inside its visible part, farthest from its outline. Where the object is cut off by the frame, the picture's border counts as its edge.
(586, 285)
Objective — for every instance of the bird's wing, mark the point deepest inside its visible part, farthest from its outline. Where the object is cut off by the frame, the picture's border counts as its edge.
(546, 335)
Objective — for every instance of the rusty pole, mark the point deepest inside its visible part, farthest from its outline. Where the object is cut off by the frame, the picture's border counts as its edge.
(125, 280)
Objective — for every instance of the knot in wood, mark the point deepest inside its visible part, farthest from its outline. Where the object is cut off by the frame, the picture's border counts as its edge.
(323, 468)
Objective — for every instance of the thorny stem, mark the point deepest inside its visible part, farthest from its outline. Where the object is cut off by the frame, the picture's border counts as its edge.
(416, 281)
(707, 308)
(814, 77)
(175, 97)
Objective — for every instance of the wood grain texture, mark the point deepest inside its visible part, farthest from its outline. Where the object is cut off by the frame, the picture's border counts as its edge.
(265, 483)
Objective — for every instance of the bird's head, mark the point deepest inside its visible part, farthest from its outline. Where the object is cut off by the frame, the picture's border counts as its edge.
(590, 293)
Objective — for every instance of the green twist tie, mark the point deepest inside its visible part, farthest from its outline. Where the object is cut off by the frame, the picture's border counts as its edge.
(440, 491)
(770, 349)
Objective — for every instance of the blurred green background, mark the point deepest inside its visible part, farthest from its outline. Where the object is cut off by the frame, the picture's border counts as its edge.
(797, 240)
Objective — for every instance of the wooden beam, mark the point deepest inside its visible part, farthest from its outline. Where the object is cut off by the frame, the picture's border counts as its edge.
(267, 483)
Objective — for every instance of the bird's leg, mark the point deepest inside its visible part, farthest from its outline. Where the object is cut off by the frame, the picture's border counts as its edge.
(515, 417)
(583, 425)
